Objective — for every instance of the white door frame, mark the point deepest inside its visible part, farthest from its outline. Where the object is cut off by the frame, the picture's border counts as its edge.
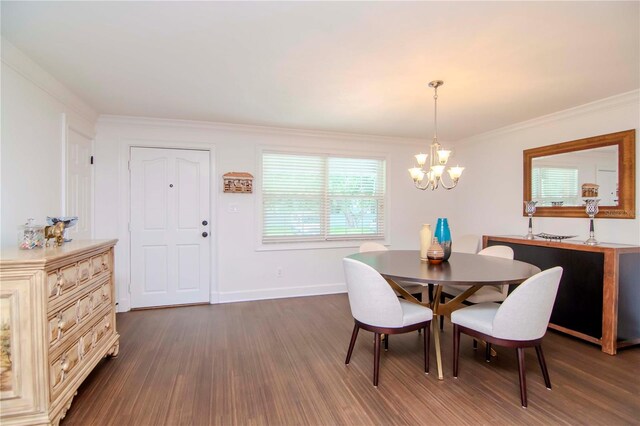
(123, 251)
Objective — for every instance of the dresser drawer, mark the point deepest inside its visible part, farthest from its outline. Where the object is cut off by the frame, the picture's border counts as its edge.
(65, 320)
(64, 367)
(99, 263)
(62, 281)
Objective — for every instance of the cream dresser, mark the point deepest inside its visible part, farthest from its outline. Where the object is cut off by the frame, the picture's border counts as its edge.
(57, 321)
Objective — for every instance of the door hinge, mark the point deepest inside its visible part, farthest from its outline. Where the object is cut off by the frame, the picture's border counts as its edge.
(91, 159)
(129, 165)
(129, 288)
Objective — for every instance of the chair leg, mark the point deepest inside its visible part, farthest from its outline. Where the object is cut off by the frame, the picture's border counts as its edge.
(427, 347)
(456, 349)
(523, 380)
(386, 342)
(354, 336)
(543, 366)
(376, 359)
(487, 352)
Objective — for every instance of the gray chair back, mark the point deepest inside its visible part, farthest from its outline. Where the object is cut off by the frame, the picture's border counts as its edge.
(372, 300)
(524, 315)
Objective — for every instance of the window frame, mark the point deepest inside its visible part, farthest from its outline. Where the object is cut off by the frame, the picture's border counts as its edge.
(329, 243)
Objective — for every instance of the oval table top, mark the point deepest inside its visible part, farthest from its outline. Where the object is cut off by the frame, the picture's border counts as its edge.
(461, 268)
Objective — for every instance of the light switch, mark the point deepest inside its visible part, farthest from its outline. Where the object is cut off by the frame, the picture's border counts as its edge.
(233, 208)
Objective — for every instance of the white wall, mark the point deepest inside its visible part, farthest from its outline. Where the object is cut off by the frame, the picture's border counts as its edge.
(242, 271)
(489, 198)
(36, 114)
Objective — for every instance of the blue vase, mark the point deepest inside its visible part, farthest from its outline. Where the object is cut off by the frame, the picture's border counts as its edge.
(443, 234)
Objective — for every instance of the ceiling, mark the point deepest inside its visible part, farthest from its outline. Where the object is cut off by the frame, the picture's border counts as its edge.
(355, 67)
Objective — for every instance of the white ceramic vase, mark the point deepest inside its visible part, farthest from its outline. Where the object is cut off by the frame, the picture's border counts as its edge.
(425, 240)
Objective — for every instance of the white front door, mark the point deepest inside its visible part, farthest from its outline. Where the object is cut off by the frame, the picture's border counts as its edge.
(79, 183)
(170, 252)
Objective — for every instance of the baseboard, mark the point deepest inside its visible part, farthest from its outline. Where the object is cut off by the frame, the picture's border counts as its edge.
(279, 293)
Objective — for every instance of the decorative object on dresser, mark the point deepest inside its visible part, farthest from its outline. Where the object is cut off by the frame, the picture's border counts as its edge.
(55, 232)
(530, 210)
(69, 222)
(30, 235)
(599, 292)
(591, 207)
(58, 321)
(559, 176)
(238, 182)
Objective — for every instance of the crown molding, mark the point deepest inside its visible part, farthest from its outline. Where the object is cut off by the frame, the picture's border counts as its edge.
(231, 127)
(12, 57)
(631, 98)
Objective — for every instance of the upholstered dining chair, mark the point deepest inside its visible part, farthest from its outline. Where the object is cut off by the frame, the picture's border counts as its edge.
(487, 293)
(468, 243)
(375, 308)
(414, 289)
(519, 322)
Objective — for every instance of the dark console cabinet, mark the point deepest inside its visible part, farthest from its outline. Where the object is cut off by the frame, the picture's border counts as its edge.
(599, 295)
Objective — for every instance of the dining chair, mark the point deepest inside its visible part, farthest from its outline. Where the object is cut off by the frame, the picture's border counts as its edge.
(414, 289)
(519, 322)
(487, 293)
(468, 243)
(375, 308)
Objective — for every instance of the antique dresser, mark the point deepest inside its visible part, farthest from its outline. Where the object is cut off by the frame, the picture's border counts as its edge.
(57, 320)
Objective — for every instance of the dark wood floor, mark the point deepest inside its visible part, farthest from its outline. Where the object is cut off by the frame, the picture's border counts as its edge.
(281, 362)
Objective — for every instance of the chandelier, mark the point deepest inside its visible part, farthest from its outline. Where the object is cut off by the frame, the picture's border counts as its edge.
(430, 176)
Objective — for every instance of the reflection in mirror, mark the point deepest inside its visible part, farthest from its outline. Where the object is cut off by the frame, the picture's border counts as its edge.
(569, 178)
(561, 176)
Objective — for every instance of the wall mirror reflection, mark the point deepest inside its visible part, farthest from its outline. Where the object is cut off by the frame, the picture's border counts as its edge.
(561, 176)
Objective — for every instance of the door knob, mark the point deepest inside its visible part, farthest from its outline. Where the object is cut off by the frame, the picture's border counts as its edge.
(204, 234)
(205, 223)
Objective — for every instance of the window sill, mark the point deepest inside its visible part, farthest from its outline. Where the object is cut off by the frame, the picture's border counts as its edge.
(315, 245)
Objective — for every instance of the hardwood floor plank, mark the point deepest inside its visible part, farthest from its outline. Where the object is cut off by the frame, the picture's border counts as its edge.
(281, 362)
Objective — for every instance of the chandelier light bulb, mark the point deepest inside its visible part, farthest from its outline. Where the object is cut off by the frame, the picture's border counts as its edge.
(455, 172)
(443, 156)
(421, 159)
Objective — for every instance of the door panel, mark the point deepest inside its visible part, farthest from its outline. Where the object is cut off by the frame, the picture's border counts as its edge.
(79, 183)
(170, 258)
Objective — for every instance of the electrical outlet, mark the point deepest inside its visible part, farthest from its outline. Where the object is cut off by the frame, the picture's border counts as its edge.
(233, 208)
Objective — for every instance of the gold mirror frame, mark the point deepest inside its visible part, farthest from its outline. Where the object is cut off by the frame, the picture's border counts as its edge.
(625, 141)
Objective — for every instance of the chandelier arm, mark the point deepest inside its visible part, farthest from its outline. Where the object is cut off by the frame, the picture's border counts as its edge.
(455, 182)
(420, 187)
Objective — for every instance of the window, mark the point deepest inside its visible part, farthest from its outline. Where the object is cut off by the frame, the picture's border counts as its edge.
(549, 184)
(308, 197)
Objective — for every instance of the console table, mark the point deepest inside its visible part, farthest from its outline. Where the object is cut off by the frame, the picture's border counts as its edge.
(599, 293)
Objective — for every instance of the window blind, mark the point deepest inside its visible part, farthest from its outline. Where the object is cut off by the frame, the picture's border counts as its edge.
(321, 197)
(554, 183)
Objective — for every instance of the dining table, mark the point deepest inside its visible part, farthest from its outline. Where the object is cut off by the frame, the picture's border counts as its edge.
(473, 270)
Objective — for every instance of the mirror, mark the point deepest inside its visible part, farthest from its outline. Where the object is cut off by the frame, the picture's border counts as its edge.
(561, 176)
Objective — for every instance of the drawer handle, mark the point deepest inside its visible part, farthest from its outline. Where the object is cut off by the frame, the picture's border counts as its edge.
(81, 348)
(64, 366)
(107, 324)
(59, 283)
